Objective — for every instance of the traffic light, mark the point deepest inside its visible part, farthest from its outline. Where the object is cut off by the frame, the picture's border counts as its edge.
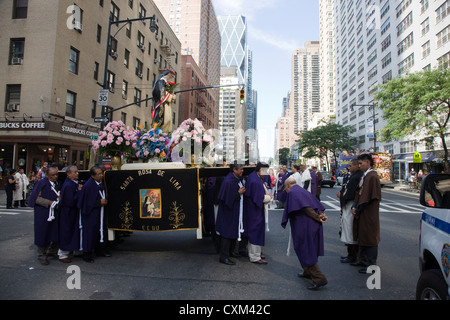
(242, 96)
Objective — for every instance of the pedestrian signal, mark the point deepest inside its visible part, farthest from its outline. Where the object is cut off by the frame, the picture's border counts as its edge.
(242, 97)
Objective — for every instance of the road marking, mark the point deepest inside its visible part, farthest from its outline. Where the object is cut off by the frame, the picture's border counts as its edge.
(10, 213)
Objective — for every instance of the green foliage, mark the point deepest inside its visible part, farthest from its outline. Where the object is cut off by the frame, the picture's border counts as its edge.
(414, 104)
(331, 137)
(283, 155)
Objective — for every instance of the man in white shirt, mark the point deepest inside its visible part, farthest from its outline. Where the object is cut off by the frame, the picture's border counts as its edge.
(305, 181)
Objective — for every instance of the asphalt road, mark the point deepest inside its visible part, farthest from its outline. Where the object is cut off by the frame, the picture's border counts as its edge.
(177, 266)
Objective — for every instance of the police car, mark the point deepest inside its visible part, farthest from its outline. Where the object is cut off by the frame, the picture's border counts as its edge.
(434, 281)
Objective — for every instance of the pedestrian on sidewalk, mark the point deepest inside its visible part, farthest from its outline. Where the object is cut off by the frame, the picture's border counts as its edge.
(366, 211)
(10, 186)
(305, 214)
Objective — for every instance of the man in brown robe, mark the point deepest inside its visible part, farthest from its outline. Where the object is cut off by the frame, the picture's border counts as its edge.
(366, 210)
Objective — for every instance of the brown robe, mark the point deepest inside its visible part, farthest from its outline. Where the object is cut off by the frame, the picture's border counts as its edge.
(366, 227)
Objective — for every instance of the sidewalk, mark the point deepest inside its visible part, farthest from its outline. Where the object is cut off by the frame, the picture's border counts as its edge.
(402, 188)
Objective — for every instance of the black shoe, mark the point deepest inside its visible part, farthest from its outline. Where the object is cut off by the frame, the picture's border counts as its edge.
(317, 286)
(363, 270)
(347, 260)
(357, 264)
(227, 262)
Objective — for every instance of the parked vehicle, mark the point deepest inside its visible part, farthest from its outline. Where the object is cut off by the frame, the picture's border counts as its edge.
(434, 258)
(328, 179)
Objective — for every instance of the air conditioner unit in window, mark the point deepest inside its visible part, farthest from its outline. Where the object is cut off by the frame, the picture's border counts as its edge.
(17, 61)
(156, 61)
(114, 55)
(13, 107)
(140, 75)
(111, 89)
(142, 47)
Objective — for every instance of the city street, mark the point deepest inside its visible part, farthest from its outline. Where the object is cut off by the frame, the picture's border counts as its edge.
(177, 266)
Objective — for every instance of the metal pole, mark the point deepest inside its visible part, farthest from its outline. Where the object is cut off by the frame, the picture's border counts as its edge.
(374, 130)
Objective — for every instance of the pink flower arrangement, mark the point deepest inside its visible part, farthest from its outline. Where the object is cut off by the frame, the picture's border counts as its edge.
(117, 139)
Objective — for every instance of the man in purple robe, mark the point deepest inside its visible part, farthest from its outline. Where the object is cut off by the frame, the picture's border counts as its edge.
(306, 216)
(254, 213)
(229, 223)
(281, 193)
(44, 198)
(69, 218)
(91, 203)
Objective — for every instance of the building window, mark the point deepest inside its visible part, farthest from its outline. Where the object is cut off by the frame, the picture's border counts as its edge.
(124, 89)
(20, 9)
(136, 122)
(111, 81)
(93, 109)
(114, 13)
(13, 97)
(126, 59)
(73, 60)
(142, 13)
(71, 100)
(141, 41)
(96, 66)
(113, 47)
(139, 67)
(99, 33)
(16, 51)
(137, 96)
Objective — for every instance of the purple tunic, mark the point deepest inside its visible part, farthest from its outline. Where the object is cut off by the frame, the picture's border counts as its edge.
(45, 232)
(254, 218)
(69, 218)
(89, 204)
(227, 223)
(281, 193)
(307, 234)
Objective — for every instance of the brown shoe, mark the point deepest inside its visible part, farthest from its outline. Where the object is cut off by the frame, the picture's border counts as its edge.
(43, 261)
(65, 260)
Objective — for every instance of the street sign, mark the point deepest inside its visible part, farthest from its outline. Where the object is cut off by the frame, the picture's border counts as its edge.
(103, 98)
(100, 120)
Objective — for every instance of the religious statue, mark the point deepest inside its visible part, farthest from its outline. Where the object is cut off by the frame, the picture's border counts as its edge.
(163, 96)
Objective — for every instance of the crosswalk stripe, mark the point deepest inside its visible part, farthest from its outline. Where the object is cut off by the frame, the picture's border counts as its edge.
(384, 207)
(10, 213)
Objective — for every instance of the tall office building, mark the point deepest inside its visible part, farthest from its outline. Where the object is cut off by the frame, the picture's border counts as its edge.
(52, 65)
(235, 53)
(305, 85)
(195, 24)
(327, 58)
(376, 42)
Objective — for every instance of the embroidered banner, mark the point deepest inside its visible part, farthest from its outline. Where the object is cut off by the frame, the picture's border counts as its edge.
(153, 200)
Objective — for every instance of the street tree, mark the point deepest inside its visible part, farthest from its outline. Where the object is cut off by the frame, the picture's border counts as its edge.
(283, 155)
(328, 139)
(418, 103)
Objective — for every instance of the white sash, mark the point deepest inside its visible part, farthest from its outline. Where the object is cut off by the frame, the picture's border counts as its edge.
(102, 213)
(241, 212)
(51, 210)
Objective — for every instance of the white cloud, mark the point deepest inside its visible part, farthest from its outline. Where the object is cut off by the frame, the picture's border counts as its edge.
(274, 40)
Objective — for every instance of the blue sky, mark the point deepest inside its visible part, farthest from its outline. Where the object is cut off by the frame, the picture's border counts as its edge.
(275, 29)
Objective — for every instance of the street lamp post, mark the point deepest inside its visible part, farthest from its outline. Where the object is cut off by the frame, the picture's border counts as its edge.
(373, 105)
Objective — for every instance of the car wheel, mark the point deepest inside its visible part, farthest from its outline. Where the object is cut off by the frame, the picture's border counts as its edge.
(431, 286)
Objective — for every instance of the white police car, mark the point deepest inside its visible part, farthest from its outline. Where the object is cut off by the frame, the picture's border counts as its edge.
(434, 281)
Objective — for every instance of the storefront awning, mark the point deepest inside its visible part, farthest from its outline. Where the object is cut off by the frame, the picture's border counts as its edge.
(408, 157)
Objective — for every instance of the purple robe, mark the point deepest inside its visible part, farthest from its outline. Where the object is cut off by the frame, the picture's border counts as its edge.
(45, 232)
(254, 217)
(69, 218)
(307, 234)
(281, 193)
(90, 209)
(227, 223)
